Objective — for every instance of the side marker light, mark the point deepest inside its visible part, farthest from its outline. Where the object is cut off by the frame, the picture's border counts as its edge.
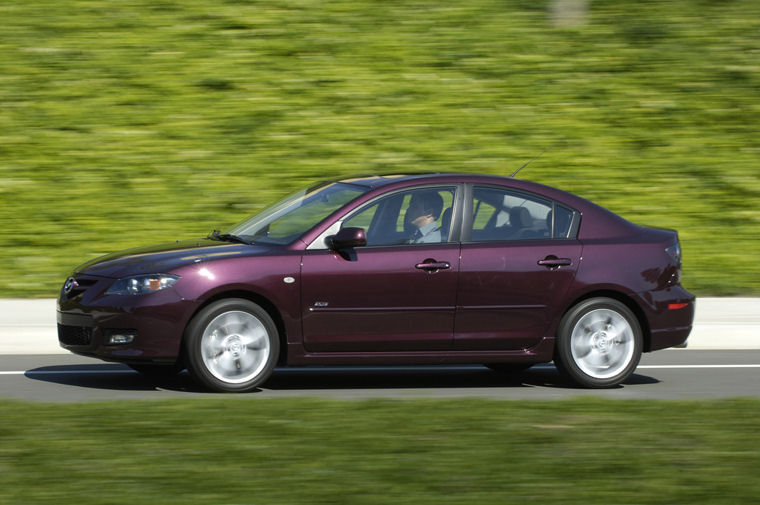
(676, 306)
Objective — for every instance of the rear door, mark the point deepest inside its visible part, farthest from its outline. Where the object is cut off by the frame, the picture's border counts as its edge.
(519, 257)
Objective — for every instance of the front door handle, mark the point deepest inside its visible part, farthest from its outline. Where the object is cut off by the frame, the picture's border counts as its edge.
(430, 265)
(552, 261)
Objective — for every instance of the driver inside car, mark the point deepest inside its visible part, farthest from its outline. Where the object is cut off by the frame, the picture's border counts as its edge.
(424, 210)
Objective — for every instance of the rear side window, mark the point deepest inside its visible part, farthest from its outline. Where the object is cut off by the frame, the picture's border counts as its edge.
(563, 221)
(501, 214)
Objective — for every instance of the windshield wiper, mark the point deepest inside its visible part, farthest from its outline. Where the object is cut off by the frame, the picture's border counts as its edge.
(227, 237)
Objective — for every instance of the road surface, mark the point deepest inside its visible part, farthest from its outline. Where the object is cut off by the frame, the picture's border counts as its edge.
(664, 375)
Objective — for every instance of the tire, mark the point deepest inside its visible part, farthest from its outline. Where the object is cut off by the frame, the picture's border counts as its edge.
(599, 343)
(232, 346)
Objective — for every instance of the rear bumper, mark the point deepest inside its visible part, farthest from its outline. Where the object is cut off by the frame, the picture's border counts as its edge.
(670, 314)
(672, 337)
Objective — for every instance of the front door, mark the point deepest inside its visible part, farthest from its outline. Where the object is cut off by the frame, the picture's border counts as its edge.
(397, 293)
(379, 300)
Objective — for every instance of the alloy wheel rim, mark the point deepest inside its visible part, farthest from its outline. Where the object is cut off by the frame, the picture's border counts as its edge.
(602, 343)
(235, 347)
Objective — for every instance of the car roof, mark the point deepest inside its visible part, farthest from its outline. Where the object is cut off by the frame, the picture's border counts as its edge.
(379, 180)
(403, 179)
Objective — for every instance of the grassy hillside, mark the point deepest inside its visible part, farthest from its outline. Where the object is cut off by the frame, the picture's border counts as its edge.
(126, 123)
(238, 451)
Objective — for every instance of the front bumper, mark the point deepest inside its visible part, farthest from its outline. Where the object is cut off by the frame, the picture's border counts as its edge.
(87, 317)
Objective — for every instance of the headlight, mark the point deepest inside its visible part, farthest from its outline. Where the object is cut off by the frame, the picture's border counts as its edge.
(142, 284)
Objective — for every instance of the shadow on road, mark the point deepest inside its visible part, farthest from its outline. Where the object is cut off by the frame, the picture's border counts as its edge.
(122, 378)
(110, 377)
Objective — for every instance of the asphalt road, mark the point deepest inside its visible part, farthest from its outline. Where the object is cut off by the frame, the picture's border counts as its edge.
(669, 374)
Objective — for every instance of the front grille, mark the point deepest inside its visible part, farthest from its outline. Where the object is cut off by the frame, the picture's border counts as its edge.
(79, 286)
(74, 335)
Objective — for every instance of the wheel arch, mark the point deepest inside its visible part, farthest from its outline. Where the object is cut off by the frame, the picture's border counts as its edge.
(256, 298)
(626, 300)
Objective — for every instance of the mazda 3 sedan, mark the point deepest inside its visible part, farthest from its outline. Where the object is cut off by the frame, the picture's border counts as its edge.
(399, 269)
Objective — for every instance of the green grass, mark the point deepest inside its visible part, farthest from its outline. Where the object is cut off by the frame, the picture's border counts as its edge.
(247, 451)
(126, 123)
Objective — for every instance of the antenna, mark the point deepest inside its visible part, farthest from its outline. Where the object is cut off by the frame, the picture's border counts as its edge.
(542, 152)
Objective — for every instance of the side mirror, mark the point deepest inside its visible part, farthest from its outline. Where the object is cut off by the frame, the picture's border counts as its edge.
(347, 238)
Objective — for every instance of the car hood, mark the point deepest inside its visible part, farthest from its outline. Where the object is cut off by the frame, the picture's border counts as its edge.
(164, 258)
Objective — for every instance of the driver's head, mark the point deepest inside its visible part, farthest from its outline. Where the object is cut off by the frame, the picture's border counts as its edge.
(424, 204)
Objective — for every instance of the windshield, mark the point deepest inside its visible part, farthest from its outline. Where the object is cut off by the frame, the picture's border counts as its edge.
(287, 220)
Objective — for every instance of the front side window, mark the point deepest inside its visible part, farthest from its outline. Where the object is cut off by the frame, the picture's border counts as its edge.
(419, 216)
(501, 214)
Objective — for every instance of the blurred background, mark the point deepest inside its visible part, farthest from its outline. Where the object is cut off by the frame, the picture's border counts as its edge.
(129, 123)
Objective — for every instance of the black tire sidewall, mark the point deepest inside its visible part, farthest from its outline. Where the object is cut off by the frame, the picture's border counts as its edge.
(193, 337)
(563, 356)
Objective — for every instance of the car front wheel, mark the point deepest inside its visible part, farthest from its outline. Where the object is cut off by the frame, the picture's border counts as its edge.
(599, 343)
(232, 346)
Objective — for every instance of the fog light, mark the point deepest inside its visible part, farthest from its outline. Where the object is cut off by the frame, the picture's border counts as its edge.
(121, 337)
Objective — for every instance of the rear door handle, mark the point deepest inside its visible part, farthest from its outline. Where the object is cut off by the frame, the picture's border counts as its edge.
(554, 262)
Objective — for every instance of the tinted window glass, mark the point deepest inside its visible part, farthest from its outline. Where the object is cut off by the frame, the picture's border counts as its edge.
(500, 214)
(287, 220)
(563, 219)
(397, 218)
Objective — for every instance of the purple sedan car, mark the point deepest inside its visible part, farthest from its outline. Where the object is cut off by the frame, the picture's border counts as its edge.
(396, 269)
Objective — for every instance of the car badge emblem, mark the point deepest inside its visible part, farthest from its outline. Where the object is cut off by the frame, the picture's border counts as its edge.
(71, 283)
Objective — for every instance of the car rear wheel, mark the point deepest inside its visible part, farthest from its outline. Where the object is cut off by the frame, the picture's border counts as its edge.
(599, 343)
(232, 346)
